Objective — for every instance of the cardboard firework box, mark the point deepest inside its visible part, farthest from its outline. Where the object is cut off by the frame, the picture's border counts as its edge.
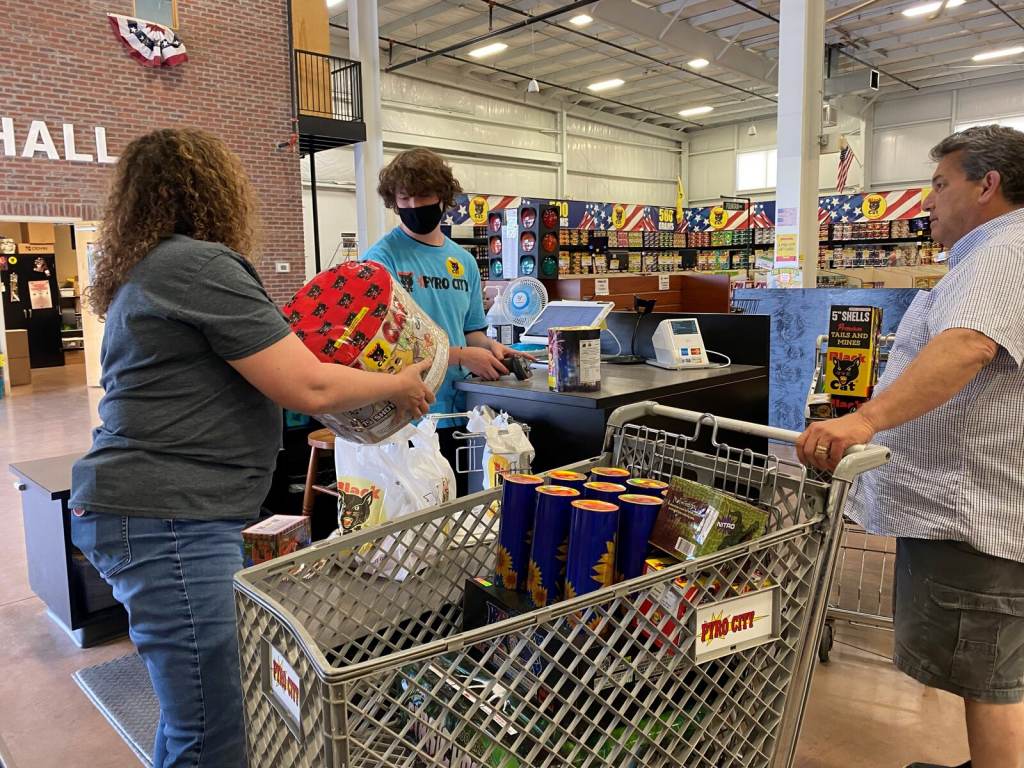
(851, 365)
(276, 536)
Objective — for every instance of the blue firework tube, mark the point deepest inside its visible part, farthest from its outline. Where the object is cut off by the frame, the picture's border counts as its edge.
(545, 581)
(609, 492)
(567, 478)
(518, 501)
(592, 531)
(637, 514)
(609, 475)
(646, 486)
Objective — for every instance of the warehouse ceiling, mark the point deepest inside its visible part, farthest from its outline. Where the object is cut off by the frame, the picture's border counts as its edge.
(652, 47)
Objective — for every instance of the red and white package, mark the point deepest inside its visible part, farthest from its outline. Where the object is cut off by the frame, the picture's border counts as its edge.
(355, 314)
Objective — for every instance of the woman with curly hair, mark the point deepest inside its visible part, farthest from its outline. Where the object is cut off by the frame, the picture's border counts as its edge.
(197, 361)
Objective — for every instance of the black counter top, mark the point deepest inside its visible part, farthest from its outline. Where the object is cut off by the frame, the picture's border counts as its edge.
(53, 475)
(620, 384)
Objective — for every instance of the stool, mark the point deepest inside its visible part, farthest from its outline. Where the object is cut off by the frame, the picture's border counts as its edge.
(321, 440)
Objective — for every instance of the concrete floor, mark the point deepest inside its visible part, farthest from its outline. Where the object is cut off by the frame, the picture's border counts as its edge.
(861, 711)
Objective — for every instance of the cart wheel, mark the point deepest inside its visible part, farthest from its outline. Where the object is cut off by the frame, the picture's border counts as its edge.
(825, 647)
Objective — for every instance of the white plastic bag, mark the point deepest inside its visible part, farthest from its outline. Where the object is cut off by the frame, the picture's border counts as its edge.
(382, 482)
(506, 448)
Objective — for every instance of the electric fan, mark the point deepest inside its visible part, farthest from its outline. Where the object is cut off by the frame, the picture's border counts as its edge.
(523, 300)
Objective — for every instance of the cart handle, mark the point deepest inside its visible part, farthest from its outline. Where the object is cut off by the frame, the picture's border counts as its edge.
(857, 459)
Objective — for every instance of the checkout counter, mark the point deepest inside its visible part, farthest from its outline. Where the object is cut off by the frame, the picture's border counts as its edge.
(570, 426)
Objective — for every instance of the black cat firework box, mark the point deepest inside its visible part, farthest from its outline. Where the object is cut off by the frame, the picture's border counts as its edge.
(354, 314)
(851, 366)
(276, 536)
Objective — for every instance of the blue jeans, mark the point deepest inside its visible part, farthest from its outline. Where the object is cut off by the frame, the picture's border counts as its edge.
(174, 577)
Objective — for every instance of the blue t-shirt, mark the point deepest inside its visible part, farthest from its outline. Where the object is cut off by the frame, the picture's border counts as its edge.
(445, 282)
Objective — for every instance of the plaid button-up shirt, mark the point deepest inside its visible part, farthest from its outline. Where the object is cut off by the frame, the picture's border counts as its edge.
(957, 472)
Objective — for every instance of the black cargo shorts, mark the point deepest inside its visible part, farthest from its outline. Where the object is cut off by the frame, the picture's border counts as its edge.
(959, 620)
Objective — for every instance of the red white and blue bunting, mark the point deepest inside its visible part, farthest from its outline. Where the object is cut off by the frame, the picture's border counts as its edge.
(149, 43)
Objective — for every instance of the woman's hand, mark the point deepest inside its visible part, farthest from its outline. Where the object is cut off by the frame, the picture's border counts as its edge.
(482, 362)
(412, 396)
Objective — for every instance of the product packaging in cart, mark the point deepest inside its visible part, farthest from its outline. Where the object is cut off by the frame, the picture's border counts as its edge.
(354, 314)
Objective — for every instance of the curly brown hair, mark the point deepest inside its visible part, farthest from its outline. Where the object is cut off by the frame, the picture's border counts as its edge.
(418, 172)
(172, 181)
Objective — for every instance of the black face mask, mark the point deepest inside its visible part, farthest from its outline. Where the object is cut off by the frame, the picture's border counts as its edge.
(423, 219)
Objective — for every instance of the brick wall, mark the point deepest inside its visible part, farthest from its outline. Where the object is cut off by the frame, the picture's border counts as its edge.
(61, 63)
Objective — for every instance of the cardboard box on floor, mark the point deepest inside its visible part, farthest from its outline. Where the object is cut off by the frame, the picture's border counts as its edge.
(19, 367)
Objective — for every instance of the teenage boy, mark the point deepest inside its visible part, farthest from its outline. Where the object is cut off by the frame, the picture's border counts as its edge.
(442, 278)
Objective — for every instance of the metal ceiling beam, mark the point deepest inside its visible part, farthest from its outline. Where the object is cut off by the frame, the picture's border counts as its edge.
(685, 38)
(587, 96)
(489, 35)
(448, 31)
(627, 50)
(408, 19)
(1005, 13)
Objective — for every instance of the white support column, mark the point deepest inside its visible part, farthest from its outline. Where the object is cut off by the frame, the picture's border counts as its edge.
(369, 155)
(867, 128)
(563, 148)
(801, 60)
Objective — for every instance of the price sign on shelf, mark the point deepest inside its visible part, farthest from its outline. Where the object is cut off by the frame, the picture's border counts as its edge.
(601, 286)
(662, 282)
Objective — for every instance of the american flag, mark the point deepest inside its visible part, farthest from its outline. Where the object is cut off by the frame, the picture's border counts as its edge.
(639, 217)
(845, 161)
(595, 216)
(839, 209)
(696, 220)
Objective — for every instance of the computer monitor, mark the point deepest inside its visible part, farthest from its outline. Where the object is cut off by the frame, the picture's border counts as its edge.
(559, 314)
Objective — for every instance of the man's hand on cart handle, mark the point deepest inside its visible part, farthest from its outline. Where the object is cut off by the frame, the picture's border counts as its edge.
(823, 444)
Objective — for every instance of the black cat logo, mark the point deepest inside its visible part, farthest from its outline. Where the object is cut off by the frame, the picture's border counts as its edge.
(358, 339)
(294, 316)
(325, 328)
(873, 205)
(339, 282)
(381, 310)
(328, 348)
(478, 209)
(300, 334)
(372, 292)
(314, 291)
(354, 510)
(405, 278)
(345, 300)
(320, 311)
(377, 355)
(845, 373)
(365, 272)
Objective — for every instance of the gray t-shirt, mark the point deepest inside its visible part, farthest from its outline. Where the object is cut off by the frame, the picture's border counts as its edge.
(183, 434)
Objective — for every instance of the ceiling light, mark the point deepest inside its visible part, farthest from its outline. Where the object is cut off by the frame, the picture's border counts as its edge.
(332, 3)
(1017, 49)
(606, 85)
(693, 111)
(924, 10)
(580, 21)
(698, 63)
(488, 50)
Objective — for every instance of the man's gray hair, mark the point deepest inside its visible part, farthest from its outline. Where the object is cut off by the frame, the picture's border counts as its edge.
(989, 148)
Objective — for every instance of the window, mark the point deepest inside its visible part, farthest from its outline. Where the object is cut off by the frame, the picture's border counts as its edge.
(755, 170)
(1009, 122)
(161, 11)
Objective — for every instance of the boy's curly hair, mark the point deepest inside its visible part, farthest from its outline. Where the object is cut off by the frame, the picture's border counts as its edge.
(419, 173)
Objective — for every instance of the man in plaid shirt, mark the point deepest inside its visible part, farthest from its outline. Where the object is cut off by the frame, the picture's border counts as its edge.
(950, 406)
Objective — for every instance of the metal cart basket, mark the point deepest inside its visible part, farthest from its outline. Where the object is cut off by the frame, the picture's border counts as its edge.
(346, 663)
(862, 589)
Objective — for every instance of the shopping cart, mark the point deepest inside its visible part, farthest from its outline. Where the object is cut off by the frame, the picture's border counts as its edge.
(862, 588)
(343, 666)
(469, 455)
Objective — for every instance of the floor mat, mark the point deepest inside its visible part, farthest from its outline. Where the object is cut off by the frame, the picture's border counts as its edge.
(121, 690)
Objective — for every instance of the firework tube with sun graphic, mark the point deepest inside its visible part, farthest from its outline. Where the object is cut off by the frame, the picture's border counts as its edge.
(549, 549)
(592, 531)
(609, 492)
(567, 478)
(637, 514)
(609, 475)
(518, 501)
(648, 486)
